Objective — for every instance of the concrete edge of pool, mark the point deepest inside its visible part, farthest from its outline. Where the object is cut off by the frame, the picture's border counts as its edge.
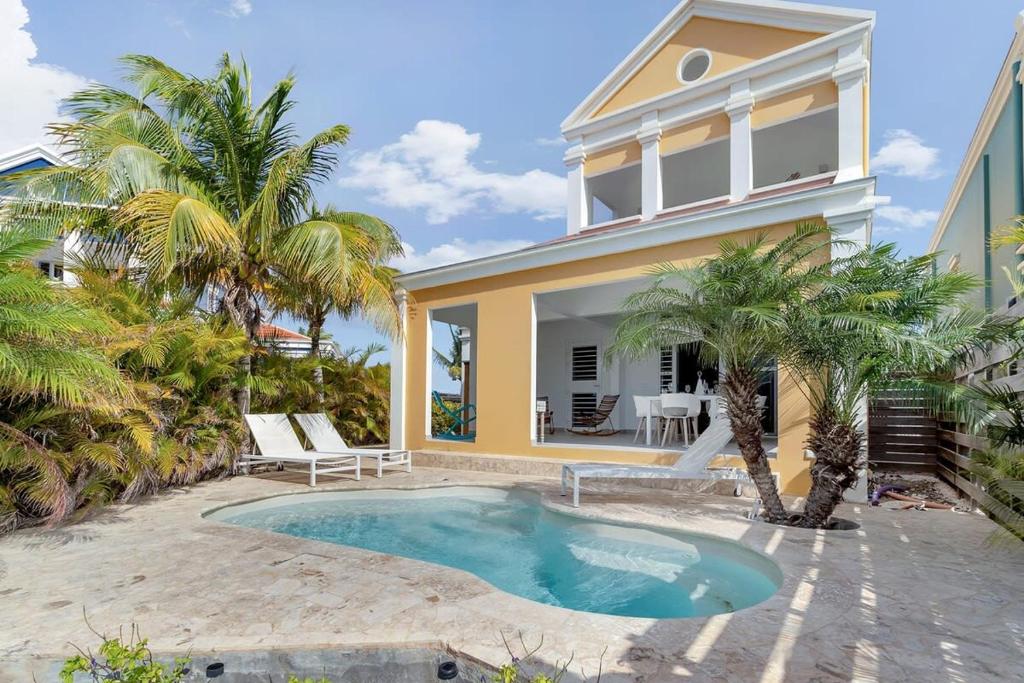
(733, 554)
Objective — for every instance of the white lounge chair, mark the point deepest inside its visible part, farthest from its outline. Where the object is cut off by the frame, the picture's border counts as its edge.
(692, 464)
(326, 439)
(278, 443)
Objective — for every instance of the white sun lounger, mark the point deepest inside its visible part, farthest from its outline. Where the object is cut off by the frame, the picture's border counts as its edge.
(692, 464)
(278, 443)
(326, 439)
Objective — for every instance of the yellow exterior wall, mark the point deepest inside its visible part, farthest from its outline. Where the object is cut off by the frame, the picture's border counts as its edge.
(611, 158)
(695, 133)
(794, 103)
(502, 359)
(731, 44)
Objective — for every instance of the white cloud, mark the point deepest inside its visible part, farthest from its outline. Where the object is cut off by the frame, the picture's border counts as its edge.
(550, 142)
(905, 154)
(239, 8)
(430, 169)
(903, 219)
(454, 252)
(32, 90)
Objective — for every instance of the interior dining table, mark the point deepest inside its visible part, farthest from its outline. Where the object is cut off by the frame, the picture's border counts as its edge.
(648, 403)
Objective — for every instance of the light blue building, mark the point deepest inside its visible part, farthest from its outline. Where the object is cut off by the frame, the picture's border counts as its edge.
(52, 260)
(988, 192)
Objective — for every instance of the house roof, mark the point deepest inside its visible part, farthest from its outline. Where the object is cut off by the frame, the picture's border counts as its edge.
(270, 332)
(796, 16)
(14, 160)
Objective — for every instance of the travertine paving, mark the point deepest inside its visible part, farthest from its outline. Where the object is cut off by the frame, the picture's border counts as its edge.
(918, 596)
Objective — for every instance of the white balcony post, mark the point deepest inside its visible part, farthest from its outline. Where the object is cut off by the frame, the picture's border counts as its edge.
(398, 384)
(741, 160)
(71, 246)
(649, 138)
(577, 212)
(850, 76)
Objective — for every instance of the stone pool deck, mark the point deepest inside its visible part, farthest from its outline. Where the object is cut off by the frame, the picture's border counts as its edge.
(914, 596)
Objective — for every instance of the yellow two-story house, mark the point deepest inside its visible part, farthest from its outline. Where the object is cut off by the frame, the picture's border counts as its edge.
(731, 118)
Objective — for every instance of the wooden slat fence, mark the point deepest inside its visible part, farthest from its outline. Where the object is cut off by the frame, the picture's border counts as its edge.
(902, 431)
(955, 444)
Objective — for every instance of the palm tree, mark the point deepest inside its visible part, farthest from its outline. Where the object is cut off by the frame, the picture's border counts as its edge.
(192, 179)
(733, 305)
(877, 321)
(452, 363)
(49, 369)
(366, 287)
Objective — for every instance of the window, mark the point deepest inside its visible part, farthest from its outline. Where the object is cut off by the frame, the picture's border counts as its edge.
(667, 370)
(45, 267)
(694, 66)
(58, 273)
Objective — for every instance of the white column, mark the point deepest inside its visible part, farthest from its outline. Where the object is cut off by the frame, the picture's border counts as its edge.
(71, 246)
(398, 384)
(741, 161)
(850, 76)
(649, 138)
(577, 211)
(852, 227)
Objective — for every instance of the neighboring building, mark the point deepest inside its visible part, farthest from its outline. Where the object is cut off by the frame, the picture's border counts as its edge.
(987, 194)
(289, 343)
(51, 261)
(988, 191)
(731, 118)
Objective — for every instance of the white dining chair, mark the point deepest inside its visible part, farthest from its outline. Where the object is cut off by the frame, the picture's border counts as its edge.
(641, 403)
(679, 412)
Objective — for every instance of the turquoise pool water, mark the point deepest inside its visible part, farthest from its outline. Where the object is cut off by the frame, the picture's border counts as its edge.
(509, 540)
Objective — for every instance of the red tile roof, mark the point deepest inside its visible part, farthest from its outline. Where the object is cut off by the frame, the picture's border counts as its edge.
(268, 332)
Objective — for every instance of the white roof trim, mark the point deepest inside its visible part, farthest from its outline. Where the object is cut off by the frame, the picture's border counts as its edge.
(986, 124)
(29, 153)
(839, 198)
(789, 15)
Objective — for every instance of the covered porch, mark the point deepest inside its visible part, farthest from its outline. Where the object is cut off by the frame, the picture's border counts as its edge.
(575, 378)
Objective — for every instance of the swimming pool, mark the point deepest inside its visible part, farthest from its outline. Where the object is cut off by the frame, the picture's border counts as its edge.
(507, 538)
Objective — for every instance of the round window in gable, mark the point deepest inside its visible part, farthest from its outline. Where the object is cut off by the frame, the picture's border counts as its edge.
(694, 66)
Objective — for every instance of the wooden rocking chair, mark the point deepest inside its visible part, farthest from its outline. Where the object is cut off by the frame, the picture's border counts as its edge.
(590, 425)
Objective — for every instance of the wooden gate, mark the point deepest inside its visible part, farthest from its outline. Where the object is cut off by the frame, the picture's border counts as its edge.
(902, 431)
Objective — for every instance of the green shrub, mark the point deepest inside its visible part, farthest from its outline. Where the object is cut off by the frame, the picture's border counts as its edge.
(127, 662)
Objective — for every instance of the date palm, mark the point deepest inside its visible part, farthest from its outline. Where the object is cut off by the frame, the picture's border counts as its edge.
(733, 305)
(192, 179)
(877, 321)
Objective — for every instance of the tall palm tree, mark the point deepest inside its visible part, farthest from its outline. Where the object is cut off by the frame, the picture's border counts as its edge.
(191, 178)
(452, 363)
(365, 287)
(733, 305)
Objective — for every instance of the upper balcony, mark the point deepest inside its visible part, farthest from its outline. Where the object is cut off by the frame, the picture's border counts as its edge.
(714, 109)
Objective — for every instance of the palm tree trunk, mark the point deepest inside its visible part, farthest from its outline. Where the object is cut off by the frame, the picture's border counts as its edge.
(838, 450)
(316, 325)
(243, 309)
(741, 400)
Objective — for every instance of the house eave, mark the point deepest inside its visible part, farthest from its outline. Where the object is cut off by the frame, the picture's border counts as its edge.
(845, 198)
(29, 153)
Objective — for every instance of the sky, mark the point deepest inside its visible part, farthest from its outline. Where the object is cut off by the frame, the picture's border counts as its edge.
(455, 105)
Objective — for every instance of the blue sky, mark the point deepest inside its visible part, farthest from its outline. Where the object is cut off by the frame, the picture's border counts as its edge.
(478, 90)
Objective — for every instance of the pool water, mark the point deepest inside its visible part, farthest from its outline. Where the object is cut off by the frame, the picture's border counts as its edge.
(511, 541)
